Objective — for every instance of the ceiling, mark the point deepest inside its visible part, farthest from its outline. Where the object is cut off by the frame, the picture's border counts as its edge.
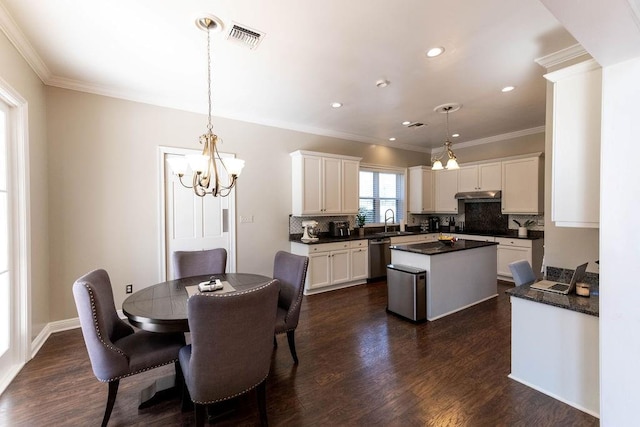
(312, 54)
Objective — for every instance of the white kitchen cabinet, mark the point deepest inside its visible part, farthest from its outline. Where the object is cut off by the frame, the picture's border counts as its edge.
(446, 187)
(575, 182)
(350, 186)
(480, 177)
(512, 249)
(421, 190)
(414, 238)
(334, 265)
(324, 184)
(359, 260)
(523, 185)
(475, 237)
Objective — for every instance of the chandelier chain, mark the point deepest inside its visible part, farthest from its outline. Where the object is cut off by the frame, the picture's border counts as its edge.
(209, 125)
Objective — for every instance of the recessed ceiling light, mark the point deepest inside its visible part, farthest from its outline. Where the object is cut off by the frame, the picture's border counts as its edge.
(406, 123)
(383, 83)
(336, 104)
(455, 135)
(508, 88)
(392, 139)
(435, 51)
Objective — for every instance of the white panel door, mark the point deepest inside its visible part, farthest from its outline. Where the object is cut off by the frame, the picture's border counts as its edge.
(194, 223)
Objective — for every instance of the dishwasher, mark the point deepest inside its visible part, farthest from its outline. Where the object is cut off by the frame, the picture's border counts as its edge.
(379, 257)
(407, 292)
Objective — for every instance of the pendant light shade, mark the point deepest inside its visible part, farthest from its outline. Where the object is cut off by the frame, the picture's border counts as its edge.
(436, 161)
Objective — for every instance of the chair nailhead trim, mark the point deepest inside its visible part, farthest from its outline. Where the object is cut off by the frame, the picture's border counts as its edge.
(113, 348)
(231, 397)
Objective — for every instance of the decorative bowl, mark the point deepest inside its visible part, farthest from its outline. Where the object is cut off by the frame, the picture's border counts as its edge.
(447, 240)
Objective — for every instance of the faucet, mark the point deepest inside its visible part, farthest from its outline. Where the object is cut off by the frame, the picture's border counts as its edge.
(386, 218)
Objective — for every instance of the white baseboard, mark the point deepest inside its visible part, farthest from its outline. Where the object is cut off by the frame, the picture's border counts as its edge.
(555, 396)
(57, 326)
(7, 377)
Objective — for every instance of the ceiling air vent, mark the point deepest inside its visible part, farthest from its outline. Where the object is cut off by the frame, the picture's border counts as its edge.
(415, 125)
(245, 36)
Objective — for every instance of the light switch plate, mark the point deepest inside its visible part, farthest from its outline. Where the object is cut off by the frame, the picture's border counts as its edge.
(246, 219)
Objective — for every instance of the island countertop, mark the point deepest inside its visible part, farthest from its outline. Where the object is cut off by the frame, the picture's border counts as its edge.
(587, 305)
(437, 248)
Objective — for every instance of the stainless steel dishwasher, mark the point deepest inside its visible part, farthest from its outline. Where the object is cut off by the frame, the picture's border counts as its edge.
(379, 257)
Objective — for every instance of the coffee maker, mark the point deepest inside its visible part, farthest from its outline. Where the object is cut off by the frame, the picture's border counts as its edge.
(339, 228)
(434, 224)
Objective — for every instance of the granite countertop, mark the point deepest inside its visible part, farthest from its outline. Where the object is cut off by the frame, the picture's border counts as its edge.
(330, 239)
(437, 248)
(587, 305)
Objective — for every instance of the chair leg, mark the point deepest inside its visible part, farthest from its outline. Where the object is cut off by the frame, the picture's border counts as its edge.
(292, 345)
(111, 400)
(185, 397)
(201, 414)
(262, 402)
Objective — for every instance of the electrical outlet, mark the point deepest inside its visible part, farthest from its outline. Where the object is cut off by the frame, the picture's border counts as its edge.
(246, 219)
(129, 288)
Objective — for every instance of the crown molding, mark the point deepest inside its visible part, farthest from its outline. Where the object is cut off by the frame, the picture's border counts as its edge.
(495, 138)
(22, 45)
(561, 56)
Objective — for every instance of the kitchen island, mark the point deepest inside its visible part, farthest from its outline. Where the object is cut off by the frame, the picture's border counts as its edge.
(458, 275)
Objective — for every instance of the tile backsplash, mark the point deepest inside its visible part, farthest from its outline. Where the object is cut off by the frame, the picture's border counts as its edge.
(481, 215)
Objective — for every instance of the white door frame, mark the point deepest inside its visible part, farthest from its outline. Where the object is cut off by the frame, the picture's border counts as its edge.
(20, 236)
(162, 153)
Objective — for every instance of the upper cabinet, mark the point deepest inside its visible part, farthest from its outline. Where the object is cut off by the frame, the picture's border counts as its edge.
(324, 184)
(481, 177)
(575, 184)
(446, 187)
(421, 190)
(523, 185)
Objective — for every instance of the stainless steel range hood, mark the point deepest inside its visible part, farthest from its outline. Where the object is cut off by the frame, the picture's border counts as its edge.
(473, 195)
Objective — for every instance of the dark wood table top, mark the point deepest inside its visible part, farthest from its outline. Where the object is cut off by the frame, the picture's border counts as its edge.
(163, 307)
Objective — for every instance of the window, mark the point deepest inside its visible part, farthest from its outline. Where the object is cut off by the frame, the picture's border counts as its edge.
(381, 189)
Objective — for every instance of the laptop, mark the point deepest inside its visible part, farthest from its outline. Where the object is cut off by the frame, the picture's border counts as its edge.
(562, 288)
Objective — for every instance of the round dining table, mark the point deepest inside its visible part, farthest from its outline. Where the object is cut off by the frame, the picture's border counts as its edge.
(163, 307)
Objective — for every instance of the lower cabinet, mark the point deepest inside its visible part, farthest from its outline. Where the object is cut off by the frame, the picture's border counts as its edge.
(513, 249)
(334, 265)
(413, 239)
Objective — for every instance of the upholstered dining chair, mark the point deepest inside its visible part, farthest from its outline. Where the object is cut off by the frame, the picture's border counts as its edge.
(291, 271)
(230, 350)
(115, 350)
(522, 272)
(196, 263)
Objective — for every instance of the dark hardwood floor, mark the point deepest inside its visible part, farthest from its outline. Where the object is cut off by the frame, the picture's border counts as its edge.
(358, 366)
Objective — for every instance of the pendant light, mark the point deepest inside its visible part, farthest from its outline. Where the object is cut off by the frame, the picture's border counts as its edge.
(207, 167)
(452, 162)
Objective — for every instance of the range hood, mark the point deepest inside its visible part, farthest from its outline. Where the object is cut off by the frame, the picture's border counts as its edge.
(473, 195)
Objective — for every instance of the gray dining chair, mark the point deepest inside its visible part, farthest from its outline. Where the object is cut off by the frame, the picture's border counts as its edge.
(115, 350)
(230, 350)
(196, 263)
(291, 271)
(522, 272)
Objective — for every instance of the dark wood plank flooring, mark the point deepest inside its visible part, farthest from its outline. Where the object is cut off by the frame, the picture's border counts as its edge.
(358, 366)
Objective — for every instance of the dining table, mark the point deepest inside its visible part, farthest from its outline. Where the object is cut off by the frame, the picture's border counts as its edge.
(163, 307)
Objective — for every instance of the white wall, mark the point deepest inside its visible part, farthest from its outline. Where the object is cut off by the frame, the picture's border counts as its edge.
(17, 73)
(103, 184)
(620, 240)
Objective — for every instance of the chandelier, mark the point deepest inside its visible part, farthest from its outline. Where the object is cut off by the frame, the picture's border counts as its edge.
(436, 161)
(208, 167)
